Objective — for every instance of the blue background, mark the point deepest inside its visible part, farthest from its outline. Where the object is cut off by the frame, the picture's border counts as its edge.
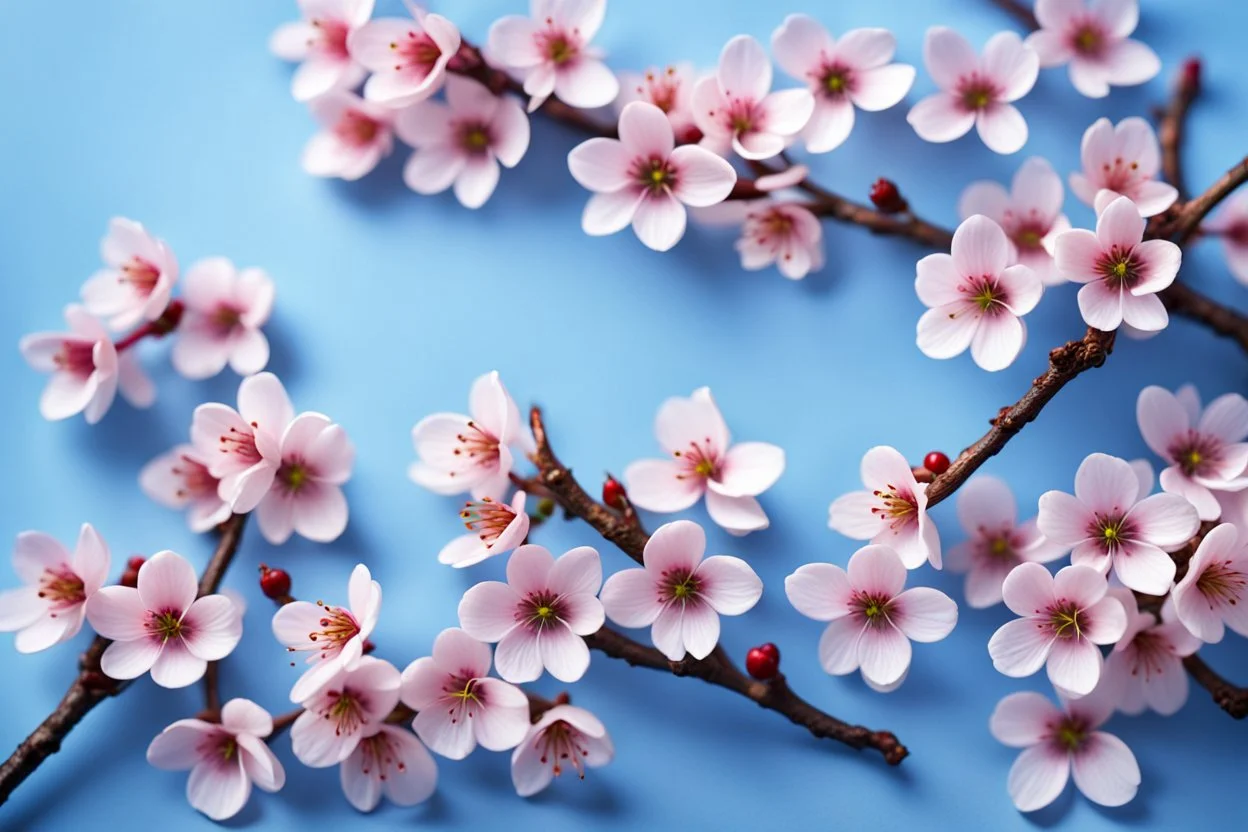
(390, 304)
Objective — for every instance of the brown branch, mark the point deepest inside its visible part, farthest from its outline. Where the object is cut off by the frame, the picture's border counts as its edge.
(716, 669)
(1172, 124)
(91, 686)
(906, 224)
(1065, 363)
(1185, 301)
(1020, 11)
(1230, 698)
(1187, 221)
(212, 689)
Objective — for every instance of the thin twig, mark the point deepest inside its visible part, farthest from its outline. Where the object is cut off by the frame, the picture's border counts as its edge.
(1185, 301)
(1187, 221)
(1230, 698)
(1020, 12)
(1172, 125)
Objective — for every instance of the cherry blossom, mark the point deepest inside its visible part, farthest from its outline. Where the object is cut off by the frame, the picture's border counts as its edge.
(470, 454)
(463, 141)
(668, 88)
(225, 309)
(458, 704)
(408, 58)
(1146, 664)
(86, 370)
(180, 479)
(1092, 38)
(1121, 271)
(1206, 449)
(1059, 741)
(856, 71)
(566, 737)
(998, 542)
(1124, 160)
(390, 762)
(1107, 523)
(1061, 621)
(1030, 213)
(784, 233)
(680, 595)
(975, 298)
(50, 608)
(314, 459)
(138, 279)
(704, 462)
(975, 90)
(540, 616)
(550, 49)
(319, 43)
(333, 636)
(356, 135)
(224, 758)
(242, 448)
(1231, 225)
(871, 619)
(1213, 595)
(642, 178)
(892, 510)
(736, 110)
(495, 529)
(353, 704)
(161, 626)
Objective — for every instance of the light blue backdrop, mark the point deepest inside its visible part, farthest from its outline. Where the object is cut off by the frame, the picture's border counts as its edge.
(390, 304)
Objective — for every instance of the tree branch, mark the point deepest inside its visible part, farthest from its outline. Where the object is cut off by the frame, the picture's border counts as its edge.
(1185, 301)
(1229, 697)
(1019, 11)
(717, 668)
(1171, 126)
(1187, 222)
(91, 686)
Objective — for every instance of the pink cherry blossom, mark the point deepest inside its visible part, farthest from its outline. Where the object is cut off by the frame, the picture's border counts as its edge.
(86, 370)
(856, 71)
(242, 448)
(390, 762)
(871, 620)
(1059, 741)
(736, 110)
(225, 309)
(1121, 271)
(1061, 621)
(1123, 160)
(315, 458)
(458, 704)
(1146, 664)
(463, 141)
(668, 88)
(1206, 450)
(50, 607)
(1231, 225)
(1030, 213)
(975, 298)
(495, 528)
(332, 636)
(540, 616)
(892, 510)
(161, 626)
(408, 58)
(138, 279)
(353, 704)
(1213, 595)
(975, 90)
(550, 49)
(642, 178)
(180, 479)
(703, 461)
(784, 233)
(678, 594)
(1107, 523)
(356, 135)
(471, 454)
(1092, 38)
(224, 758)
(998, 542)
(319, 43)
(566, 737)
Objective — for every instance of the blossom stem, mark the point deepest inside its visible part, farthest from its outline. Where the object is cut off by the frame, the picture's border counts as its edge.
(91, 687)
(1020, 12)
(159, 328)
(212, 688)
(1171, 127)
(1187, 221)
(716, 669)
(1230, 698)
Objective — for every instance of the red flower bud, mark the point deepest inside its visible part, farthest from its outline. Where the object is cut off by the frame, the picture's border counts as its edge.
(886, 197)
(763, 662)
(936, 462)
(1190, 80)
(135, 562)
(613, 493)
(274, 583)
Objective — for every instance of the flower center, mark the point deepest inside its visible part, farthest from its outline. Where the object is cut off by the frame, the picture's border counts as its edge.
(347, 709)
(540, 610)
(1149, 654)
(679, 585)
(1071, 733)
(1000, 547)
(294, 474)
(655, 175)
(242, 445)
(61, 588)
(140, 274)
(561, 745)
(337, 627)
(663, 91)
(1222, 583)
(896, 507)
(1122, 177)
(556, 45)
(1088, 40)
(1196, 453)
(1067, 620)
(479, 445)
(836, 80)
(76, 358)
(976, 93)
(356, 129)
(165, 624)
(488, 519)
(700, 461)
(464, 695)
(474, 137)
(333, 38)
(872, 606)
(1119, 268)
(225, 318)
(416, 54)
(379, 754)
(1111, 531)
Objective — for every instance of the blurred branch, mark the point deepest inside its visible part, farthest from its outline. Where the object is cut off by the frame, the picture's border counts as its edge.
(1229, 697)
(1020, 12)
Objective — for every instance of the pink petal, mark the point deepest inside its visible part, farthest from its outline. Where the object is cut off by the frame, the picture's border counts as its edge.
(244, 716)
(675, 546)
(576, 572)
(851, 515)
(528, 569)
(1162, 419)
(1075, 254)
(1145, 568)
(586, 83)
(937, 279)
(798, 45)
(1106, 483)
(998, 341)
(749, 469)
(453, 739)
(512, 42)
(877, 570)
(20, 608)
(214, 627)
(948, 56)
(786, 112)
(1160, 260)
(130, 659)
(468, 97)
(1105, 770)
(980, 247)
(738, 515)
(666, 632)
(1002, 128)
(425, 124)
(48, 630)
(220, 792)
(947, 331)
(924, 614)
(1081, 585)
(940, 118)
(1037, 777)
(986, 503)
(502, 724)
(177, 667)
(1010, 65)
(630, 598)
(511, 133)
(1051, 47)
(1037, 187)
(1120, 17)
(457, 652)
(820, 591)
(176, 747)
(1020, 647)
(696, 419)
(884, 654)
(1129, 62)
(518, 656)
(1145, 313)
(830, 124)
(731, 586)
(1120, 224)
(433, 169)
(987, 198)
(167, 582)
(984, 584)
(1023, 719)
(476, 181)
(1101, 305)
(1063, 519)
(1226, 418)
(744, 69)
(487, 610)
(659, 221)
(1074, 665)
(646, 131)
(658, 485)
(416, 781)
(1056, 14)
(839, 646)
(420, 685)
(703, 179)
(607, 213)
(1165, 520)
